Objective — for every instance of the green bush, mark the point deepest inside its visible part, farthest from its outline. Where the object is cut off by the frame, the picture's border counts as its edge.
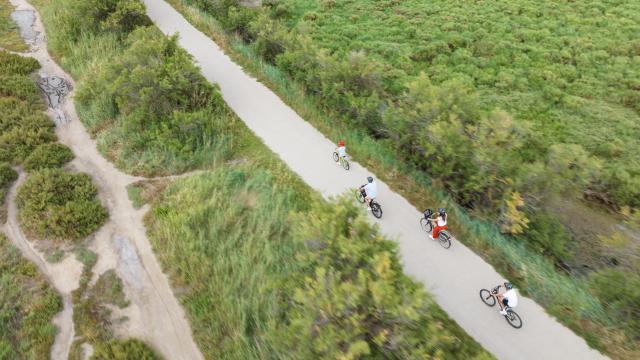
(177, 120)
(20, 87)
(59, 205)
(23, 125)
(619, 291)
(7, 176)
(11, 64)
(131, 349)
(27, 307)
(48, 156)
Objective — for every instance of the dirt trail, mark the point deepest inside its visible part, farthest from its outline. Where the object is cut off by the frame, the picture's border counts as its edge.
(454, 276)
(154, 315)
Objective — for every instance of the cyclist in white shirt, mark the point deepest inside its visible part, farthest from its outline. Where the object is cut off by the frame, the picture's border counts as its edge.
(342, 152)
(509, 298)
(371, 191)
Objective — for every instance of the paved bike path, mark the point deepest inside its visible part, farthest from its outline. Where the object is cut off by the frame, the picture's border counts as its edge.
(453, 276)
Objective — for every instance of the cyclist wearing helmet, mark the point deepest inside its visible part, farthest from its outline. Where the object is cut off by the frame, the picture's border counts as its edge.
(509, 298)
(342, 152)
(440, 223)
(370, 190)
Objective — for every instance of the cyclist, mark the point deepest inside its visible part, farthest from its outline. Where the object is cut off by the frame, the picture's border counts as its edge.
(439, 223)
(508, 298)
(342, 152)
(370, 190)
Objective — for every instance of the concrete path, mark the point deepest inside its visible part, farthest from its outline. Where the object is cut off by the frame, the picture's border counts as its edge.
(454, 276)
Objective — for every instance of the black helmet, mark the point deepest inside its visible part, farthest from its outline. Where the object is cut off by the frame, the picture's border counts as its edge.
(441, 211)
(507, 285)
(370, 179)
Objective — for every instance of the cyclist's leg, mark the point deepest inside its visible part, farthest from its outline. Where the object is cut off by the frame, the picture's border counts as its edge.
(367, 200)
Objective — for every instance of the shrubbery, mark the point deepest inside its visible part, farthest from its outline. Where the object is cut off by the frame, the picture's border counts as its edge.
(11, 64)
(167, 115)
(7, 176)
(48, 156)
(123, 350)
(23, 125)
(59, 205)
(27, 306)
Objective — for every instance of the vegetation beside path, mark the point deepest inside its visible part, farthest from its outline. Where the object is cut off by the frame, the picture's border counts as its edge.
(587, 302)
(54, 204)
(234, 239)
(27, 307)
(9, 36)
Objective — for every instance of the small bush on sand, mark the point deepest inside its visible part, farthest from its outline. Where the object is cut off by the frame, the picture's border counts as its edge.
(48, 156)
(123, 350)
(59, 205)
(11, 64)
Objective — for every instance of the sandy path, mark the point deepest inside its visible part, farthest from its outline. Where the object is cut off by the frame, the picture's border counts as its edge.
(453, 276)
(154, 315)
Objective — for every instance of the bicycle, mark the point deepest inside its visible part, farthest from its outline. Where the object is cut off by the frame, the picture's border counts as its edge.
(489, 298)
(444, 238)
(376, 209)
(344, 162)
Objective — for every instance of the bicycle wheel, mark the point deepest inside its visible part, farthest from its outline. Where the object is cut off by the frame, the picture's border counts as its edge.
(376, 210)
(359, 196)
(345, 164)
(513, 319)
(487, 298)
(335, 156)
(445, 239)
(426, 225)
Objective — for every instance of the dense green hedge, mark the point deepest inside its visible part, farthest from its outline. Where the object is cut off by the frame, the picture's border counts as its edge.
(27, 306)
(61, 206)
(47, 156)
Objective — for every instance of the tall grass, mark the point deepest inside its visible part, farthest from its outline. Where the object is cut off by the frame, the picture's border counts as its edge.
(223, 237)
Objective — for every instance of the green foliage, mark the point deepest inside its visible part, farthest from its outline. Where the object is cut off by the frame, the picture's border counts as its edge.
(27, 306)
(23, 126)
(131, 349)
(19, 87)
(7, 177)
(109, 289)
(319, 283)
(9, 36)
(59, 205)
(48, 156)
(353, 299)
(11, 64)
(168, 118)
(547, 235)
(619, 291)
